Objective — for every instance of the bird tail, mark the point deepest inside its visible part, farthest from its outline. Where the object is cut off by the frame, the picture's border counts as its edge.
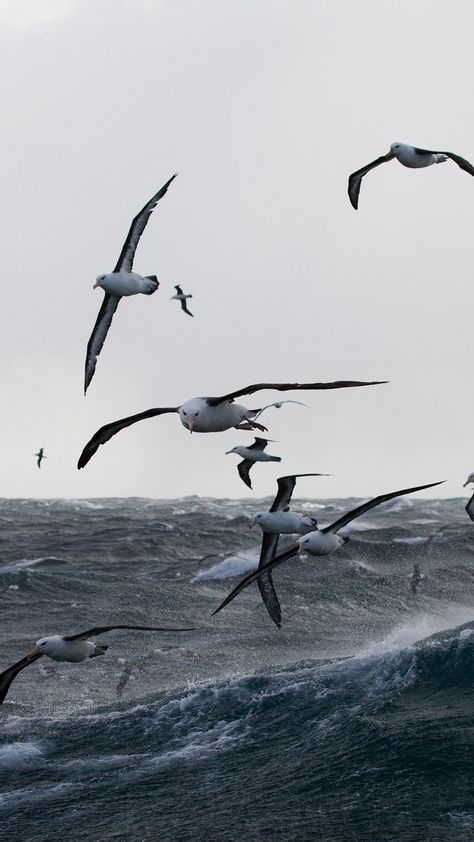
(156, 283)
(275, 459)
(100, 649)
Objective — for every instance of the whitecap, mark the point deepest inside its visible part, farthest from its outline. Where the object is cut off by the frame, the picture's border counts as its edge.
(234, 565)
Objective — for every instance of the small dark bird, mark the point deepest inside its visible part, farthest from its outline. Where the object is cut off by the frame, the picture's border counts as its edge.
(180, 296)
(40, 456)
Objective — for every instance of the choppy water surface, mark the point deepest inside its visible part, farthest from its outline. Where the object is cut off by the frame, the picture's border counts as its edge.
(352, 723)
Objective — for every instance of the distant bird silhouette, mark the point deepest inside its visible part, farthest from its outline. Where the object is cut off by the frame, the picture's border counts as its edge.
(180, 296)
(251, 454)
(40, 456)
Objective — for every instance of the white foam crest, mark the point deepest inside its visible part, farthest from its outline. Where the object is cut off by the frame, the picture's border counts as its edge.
(17, 755)
(222, 736)
(405, 634)
(234, 565)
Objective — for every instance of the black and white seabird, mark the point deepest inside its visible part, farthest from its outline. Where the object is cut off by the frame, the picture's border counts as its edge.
(122, 281)
(72, 648)
(470, 503)
(321, 541)
(409, 156)
(211, 415)
(40, 456)
(251, 454)
(278, 520)
(180, 296)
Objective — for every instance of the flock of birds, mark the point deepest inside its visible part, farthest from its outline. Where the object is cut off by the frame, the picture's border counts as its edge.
(216, 414)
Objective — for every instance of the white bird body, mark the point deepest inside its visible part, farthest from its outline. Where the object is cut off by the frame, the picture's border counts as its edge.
(410, 157)
(321, 543)
(58, 649)
(253, 455)
(181, 297)
(200, 417)
(125, 283)
(283, 523)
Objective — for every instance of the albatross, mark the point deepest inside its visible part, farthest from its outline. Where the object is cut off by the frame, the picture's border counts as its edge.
(211, 415)
(251, 454)
(180, 296)
(40, 456)
(320, 542)
(72, 648)
(278, 520)
(409, 156)
(121, 282)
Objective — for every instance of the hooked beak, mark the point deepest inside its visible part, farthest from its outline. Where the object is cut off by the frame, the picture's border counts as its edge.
(96, 285)
(190, 423)
(252, 523)
(466, 483)
(35, 651)
(300, 548)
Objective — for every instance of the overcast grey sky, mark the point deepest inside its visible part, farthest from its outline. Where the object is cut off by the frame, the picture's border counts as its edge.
(263, 107)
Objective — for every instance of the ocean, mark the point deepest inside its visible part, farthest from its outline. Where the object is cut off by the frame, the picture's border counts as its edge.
(353, 723)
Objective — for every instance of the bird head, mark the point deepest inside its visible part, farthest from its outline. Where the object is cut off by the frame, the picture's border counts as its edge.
(237, 450)
(188, 413)
(43, 646)
(98, 281)
(256, 519)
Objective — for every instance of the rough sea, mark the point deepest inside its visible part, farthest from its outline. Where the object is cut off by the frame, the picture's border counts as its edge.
(353, 723)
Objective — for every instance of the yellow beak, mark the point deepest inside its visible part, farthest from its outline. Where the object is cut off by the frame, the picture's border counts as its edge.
(35, 651)
(300, 549)
(252, 523)
(190, 423)
(96, 285)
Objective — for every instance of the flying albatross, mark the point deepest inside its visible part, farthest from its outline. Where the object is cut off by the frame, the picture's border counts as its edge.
(122, 281)
(211, 415)
(40, 456)
(409, 156)
(72, 648)
(251, 454)
(180, 296)
(320, 541)
(470, 503)
(278, 520)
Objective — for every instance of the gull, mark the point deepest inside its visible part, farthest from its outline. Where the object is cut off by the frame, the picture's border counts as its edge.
(180, 296)
(251, 454)
(470, 503)
(321, 541)
(40, 456)
(409, 156)
(72, 648)
(211, 415)
(278, 520)
(122, 281)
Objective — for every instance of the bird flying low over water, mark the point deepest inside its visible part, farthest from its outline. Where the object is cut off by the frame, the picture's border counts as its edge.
(40, 456)
(409, 156)
(470, 503)
(320, 541)
(251, 454)
(276, 521)
(180, 296)
(212, 415)
(122, 281)
(72, 648)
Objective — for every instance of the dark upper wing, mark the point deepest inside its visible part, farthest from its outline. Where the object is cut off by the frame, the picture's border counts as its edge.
(137, 228)
(265, 582)
(247, 580)
(355, 178)
(9, 675)
(461, 162)
(184, 307)
(259, 444)
(108, 430)
(470, 507)
(178, 289)
(94, 346)
(285, 490)
(382, 498)
(96, 630)
(243, 469)
(286, 387)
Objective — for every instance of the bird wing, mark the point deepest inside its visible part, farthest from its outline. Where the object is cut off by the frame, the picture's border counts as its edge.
(265, 582)
(244, 469)
(355, 179)
(178, 289)
(259, 444)
(137, 228)
(96, 630)
(108, 430)
(247, 580)
(101, 327)
(285, 387)
(184, 307)
(376, 501)
(461, 162)
(285, 490)
(470, 507)
(9, 675)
